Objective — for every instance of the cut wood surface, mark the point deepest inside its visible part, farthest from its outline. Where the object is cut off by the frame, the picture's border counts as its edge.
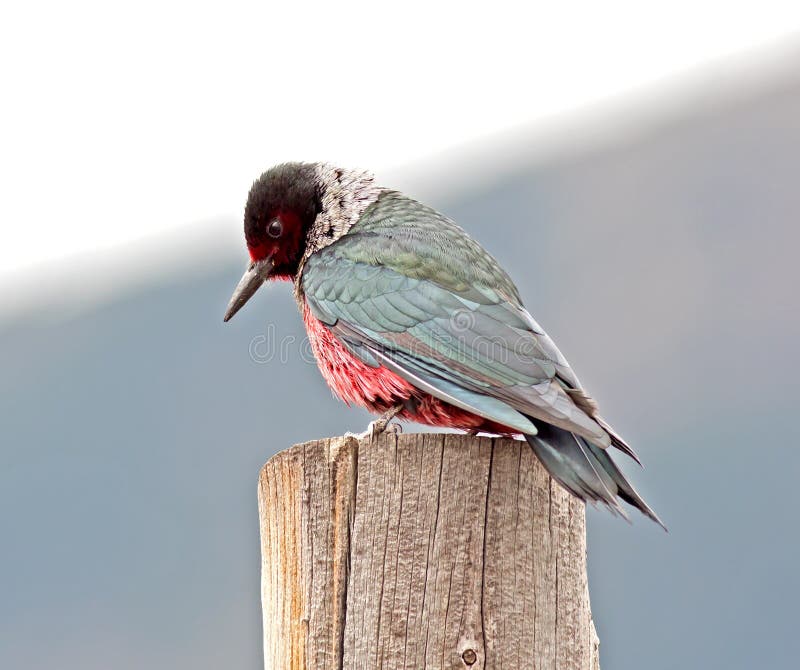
(421, 552)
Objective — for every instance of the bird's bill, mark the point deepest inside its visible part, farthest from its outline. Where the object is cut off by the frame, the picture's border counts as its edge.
(252, 279)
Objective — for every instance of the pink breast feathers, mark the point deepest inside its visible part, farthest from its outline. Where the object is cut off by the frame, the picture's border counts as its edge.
(353, 381)
(379, 389)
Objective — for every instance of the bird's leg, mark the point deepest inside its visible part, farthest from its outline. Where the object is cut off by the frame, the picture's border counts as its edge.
(382, 424)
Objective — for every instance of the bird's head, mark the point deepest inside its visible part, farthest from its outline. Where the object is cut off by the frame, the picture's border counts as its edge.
(281, 208)
(292, 211)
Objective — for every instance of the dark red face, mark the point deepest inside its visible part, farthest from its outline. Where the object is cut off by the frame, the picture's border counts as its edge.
(280, 209)
(281, 237)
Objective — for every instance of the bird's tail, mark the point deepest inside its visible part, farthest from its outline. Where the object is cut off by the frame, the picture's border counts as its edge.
(586, 470)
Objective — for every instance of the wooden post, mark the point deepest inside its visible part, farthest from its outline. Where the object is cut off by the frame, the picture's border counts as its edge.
(421, 552)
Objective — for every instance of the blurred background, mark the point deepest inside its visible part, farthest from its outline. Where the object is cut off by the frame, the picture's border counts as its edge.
(633, 165)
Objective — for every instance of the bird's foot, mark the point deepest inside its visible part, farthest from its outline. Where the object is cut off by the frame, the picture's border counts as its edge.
(382, 424)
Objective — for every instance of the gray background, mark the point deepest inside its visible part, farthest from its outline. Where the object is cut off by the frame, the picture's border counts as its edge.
(664, 263)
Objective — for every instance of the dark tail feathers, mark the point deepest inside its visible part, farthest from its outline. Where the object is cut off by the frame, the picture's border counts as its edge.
(586, 470)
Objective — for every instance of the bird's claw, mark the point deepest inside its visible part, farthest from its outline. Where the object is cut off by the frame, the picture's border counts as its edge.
(377, 428)
(381, 425)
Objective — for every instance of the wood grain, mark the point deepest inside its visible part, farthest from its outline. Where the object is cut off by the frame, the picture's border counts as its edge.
(421, 551)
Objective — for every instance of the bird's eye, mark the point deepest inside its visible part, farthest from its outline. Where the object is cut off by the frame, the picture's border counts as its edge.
(274, 228)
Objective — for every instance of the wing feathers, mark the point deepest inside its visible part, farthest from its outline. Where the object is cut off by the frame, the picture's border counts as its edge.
(447, 317)
(477, 403)
(408, 290)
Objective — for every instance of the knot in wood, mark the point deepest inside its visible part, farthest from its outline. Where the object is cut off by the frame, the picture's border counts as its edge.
(469, 657)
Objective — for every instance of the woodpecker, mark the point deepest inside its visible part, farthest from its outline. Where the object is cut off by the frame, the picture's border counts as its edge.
(408, 316)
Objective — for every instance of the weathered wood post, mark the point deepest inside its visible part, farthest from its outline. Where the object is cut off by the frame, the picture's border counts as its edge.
(421, 552)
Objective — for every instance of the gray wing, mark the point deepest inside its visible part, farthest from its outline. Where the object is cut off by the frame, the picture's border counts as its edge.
(409, 290)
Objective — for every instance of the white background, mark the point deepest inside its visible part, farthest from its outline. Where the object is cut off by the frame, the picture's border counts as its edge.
(120, 123)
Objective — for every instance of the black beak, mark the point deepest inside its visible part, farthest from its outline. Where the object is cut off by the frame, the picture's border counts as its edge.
(252, 279)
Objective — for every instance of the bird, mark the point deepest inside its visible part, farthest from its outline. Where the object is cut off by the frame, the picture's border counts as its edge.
(410, 317)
